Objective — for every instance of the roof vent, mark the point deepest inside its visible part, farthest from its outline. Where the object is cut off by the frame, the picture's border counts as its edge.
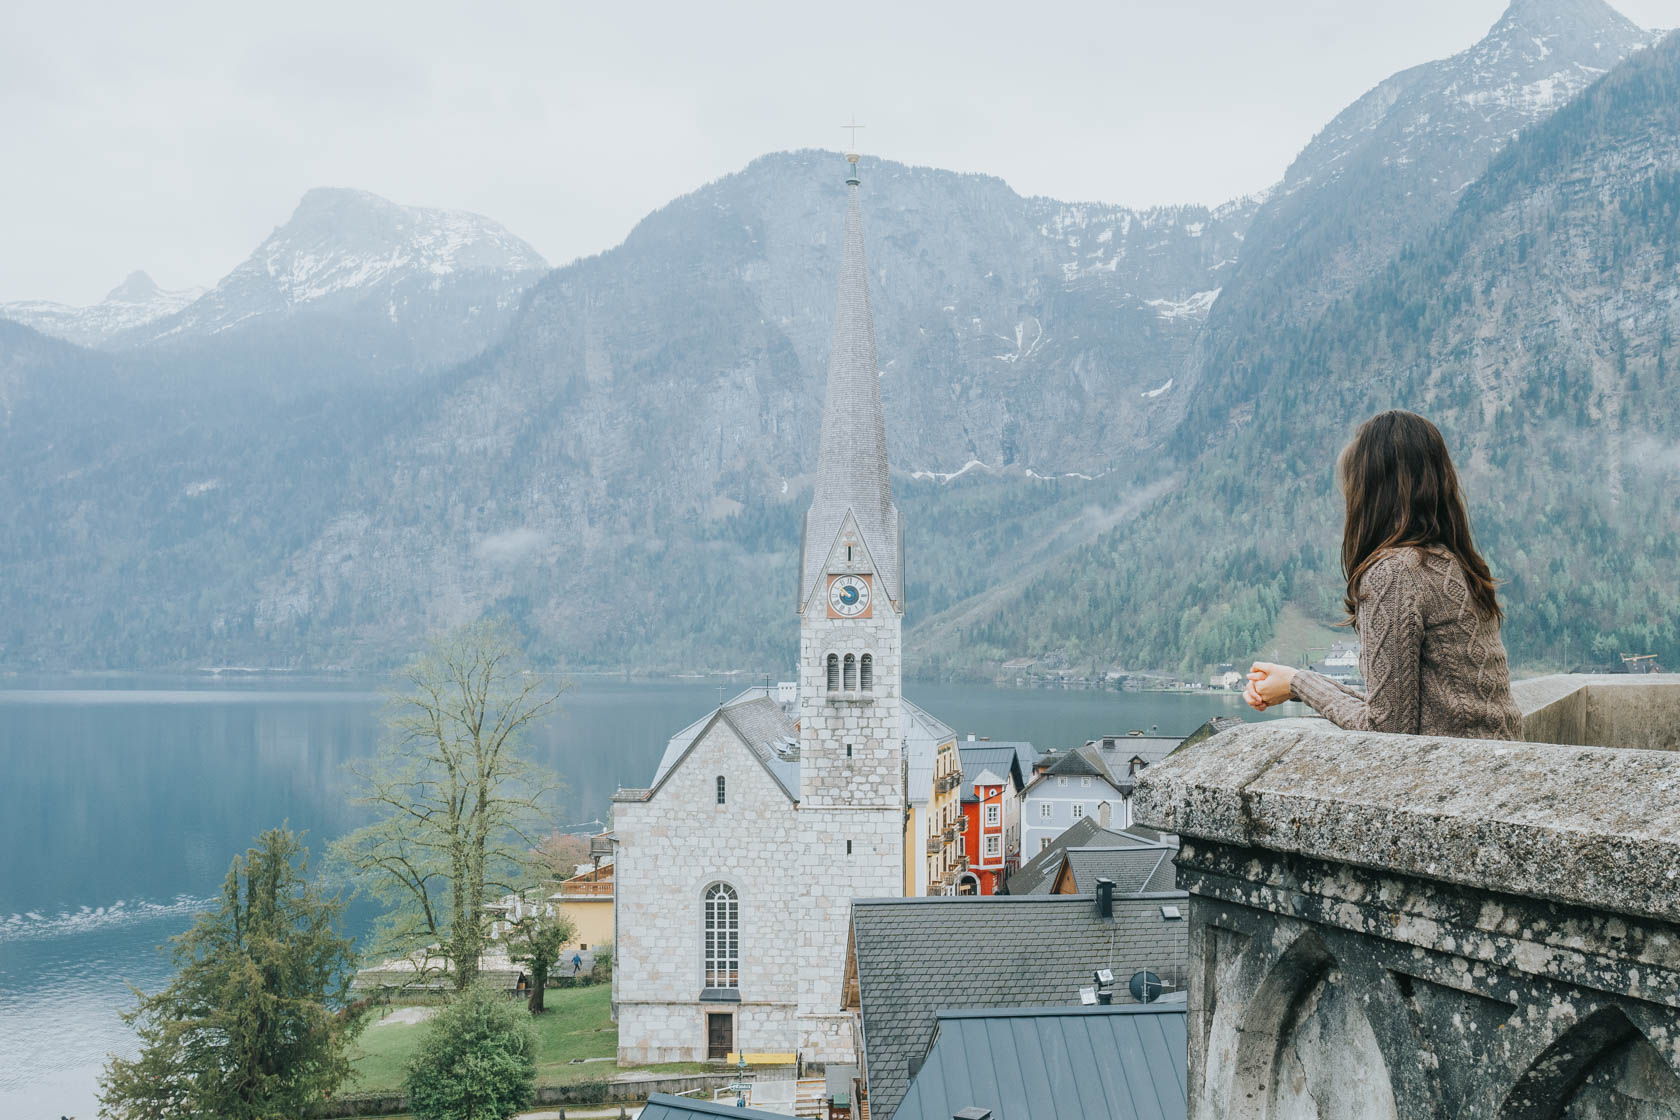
(1171, 914)
(972, 1112)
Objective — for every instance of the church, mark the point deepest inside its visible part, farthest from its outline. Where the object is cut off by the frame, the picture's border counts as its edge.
(736, 868)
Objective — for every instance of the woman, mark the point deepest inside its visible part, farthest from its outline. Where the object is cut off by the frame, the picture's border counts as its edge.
(1420, 594)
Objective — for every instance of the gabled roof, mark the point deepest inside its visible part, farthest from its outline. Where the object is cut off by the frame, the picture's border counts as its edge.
(664, 1106)
(1120, 1062)
(1042, 867)
(911, 957)
(852, 476)
(759, 722)
(1002, 759)
(922, 736)
(1133, 869)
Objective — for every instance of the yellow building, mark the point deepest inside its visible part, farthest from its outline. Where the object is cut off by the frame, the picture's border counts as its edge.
(933, 811)
(587, 900)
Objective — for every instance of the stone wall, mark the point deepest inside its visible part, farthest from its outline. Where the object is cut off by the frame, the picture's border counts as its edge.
(670, 848)
(1394, 926)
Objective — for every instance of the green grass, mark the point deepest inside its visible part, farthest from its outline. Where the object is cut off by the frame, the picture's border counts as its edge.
(577, 1023)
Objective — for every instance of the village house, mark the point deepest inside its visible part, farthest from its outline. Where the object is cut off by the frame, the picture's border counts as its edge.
(1098, 777)
(989, 829)
(933, 775)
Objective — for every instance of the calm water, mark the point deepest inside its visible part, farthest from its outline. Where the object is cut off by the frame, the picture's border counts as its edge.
(123, 801)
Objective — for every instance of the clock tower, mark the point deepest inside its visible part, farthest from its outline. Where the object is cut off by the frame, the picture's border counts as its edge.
(851, 609)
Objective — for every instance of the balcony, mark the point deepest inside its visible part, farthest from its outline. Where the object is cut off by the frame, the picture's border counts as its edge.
(962, 824)
(1436, 894)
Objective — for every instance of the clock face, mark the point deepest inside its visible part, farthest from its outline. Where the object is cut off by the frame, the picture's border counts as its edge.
(848, 596)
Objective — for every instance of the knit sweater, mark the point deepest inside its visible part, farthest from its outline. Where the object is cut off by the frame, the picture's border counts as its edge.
(1433, 663)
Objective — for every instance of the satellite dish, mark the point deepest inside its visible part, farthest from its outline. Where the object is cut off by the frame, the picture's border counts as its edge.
(1145, 986)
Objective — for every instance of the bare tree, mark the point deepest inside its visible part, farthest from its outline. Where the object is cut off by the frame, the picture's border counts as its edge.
(457, 800)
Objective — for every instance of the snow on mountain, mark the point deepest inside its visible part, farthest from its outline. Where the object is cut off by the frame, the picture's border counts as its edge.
(133, 303)
(352, 251)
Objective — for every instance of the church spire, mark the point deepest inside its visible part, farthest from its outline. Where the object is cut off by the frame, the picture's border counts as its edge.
(852, 459)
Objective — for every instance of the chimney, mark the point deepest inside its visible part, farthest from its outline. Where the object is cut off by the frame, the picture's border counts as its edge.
(1105, 898)
(971, 738)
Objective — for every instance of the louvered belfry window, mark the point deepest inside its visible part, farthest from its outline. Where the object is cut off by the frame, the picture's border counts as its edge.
(851, 673)
(723, 937)
(833, 672)
(866, 673)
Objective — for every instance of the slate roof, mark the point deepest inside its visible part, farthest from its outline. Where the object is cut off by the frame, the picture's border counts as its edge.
(1042, 867)
(1000, 758)
(760, 722)
(1122, 1062)
(1150, 748)
(912, 957)
(1132, 869)
(664, 1106)
(852, 452)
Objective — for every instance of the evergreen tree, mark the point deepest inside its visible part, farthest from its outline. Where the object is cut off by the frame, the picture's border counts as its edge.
(253, 1025)
(477, 1061)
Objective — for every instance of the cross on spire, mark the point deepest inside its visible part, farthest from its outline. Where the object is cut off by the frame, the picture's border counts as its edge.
(853, 129)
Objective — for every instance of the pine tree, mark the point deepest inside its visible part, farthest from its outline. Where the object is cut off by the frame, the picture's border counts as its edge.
(254, 1023)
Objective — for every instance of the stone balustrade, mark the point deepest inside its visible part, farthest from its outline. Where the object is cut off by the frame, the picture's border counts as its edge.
(1394, 926)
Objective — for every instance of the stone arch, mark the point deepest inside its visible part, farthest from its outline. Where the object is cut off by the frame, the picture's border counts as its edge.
(1305, 1047)
(1602, 1066)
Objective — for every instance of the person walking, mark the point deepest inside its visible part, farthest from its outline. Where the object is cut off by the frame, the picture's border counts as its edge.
(1422, 597)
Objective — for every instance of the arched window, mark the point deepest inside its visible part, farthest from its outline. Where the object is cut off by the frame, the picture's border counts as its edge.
(722, 788)
(851, 673)
(866, 672)
(833, 673)
(722, 937)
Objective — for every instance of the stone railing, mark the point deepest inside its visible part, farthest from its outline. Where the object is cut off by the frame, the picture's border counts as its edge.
(1392, 926)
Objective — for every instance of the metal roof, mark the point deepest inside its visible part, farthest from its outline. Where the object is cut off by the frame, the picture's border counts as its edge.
(1122, 1062)
(912, 956)
(664, 1106)
(999, 758)
(759, 721)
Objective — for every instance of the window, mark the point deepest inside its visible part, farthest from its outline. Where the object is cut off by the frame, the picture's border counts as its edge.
(723, 937)
(1086, 782)
(1043, 843)
(994, 816)
(833, 673)
(1078, 810)
(1044, 810)
(1061, 781)
(994, 846)
(722, 786)
(848, 847)
(851, 673)
(848, 554)
(866, 672)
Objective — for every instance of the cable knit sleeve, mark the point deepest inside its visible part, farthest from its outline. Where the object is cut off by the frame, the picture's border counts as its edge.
(1391, 642)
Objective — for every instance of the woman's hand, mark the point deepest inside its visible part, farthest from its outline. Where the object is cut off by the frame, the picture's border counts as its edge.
(1268, 684)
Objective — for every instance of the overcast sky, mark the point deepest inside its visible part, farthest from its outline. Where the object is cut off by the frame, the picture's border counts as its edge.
(174, 137)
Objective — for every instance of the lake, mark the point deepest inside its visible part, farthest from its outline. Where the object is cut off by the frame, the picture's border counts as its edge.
(125, 799)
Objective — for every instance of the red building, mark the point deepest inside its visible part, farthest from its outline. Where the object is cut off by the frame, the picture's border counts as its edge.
(991, 813)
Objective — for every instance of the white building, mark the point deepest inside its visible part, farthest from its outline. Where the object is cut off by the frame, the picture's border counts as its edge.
(736, 868)
(1086, 782)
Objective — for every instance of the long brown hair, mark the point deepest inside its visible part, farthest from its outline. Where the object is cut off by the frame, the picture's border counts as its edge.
(1401, 490)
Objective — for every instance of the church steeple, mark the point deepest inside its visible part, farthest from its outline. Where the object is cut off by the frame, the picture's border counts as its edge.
(852, 458)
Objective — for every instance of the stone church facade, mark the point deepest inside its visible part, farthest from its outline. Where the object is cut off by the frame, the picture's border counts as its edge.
(736, 868)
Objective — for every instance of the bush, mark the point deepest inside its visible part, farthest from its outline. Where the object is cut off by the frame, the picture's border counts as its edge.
(477, 1061)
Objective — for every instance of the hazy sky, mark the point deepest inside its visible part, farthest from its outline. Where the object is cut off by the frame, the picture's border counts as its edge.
(173, 137)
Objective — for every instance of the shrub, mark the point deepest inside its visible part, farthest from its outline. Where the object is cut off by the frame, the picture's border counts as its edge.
(477, 1061)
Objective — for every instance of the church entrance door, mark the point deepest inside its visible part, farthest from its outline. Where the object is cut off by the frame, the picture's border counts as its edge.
(720, 1035)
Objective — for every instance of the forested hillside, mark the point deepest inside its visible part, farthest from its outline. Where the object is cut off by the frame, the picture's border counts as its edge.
(1537, 326)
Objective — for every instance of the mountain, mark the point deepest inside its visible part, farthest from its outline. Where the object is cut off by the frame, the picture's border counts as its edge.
(1390, 167)
(1536, 325)
(413, 286)
(647, 422)
(133, 303)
